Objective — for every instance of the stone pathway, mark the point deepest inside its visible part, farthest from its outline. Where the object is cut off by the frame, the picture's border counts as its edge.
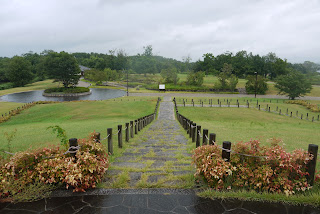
(148, 201)
(159, 158)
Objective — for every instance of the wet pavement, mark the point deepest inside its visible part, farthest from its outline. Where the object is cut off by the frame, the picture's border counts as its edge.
(151, 200)
(158, 157)
(147, 201)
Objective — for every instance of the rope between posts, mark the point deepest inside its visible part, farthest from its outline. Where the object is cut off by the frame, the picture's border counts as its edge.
(72, 147)
(117, 132)
(105, 137)
(207, 137)
(7, 152)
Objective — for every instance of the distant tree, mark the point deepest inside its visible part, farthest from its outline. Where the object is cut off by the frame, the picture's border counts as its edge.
(99, 76)
(186, 60)
(195, 78)
(170, 75)
(225, 73)
(232, 82)
(294, 84)
(4, 62)
(261, 84)
(19, 71)
(121, 61)
(63, 67)
(147, 50)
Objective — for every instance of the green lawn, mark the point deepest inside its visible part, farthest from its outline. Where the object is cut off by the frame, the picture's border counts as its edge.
(30, 87)
(5, 107)
(263, 102)
(208, 81)
(77, 118)
(233, 124)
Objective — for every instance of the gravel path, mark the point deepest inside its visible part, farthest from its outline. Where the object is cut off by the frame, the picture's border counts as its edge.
(158, 158)
(83, 84)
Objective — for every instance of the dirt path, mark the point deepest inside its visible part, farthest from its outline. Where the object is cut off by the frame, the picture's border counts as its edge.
(158, 158)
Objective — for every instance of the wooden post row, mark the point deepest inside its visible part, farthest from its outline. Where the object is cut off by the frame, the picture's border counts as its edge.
(110, 146)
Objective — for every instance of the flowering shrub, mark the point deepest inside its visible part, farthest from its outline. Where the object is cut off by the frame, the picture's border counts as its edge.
(271, 169)
(50, 166)
(312, 107)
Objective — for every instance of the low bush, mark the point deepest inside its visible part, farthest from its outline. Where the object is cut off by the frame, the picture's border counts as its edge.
(7, 85)
(312, 107)
(272, 169)
(71, 90)
(50, 166)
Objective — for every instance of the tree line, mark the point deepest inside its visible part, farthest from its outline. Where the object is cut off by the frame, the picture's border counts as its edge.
(228, 67)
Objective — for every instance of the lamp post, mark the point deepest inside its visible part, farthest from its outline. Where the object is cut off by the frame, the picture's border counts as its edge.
(127, 83)
(123, 71)
(255, 85)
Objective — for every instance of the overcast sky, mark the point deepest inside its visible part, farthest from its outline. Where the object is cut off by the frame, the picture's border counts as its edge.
(175, 28)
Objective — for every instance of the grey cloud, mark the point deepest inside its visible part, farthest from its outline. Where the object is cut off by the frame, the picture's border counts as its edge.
(175, 28)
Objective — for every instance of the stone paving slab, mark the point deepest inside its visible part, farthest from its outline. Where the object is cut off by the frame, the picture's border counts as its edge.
(149, 201)
(150, 159)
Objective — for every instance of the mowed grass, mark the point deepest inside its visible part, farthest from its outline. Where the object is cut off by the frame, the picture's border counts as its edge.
(243, 124)
(264, 103)
(77, 118)
(210, 81)
(30, 87)
(5, 107)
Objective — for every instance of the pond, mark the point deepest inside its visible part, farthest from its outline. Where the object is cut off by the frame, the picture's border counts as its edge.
(30, 96)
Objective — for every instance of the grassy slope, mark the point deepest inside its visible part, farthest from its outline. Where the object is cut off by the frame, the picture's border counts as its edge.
(5, 107)
(210, 80)
(30, 87)
(272, 103)
(77, 118)
(233, 124)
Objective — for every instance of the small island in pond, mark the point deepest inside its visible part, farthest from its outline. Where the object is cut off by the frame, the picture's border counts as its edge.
(61, 92)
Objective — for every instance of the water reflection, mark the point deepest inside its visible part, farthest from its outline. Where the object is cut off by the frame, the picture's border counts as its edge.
(30, 96)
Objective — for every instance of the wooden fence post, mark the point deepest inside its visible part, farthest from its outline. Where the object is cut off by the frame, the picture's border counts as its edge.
(131, 129)
(312, 149)
(110, 146)
(136, 126)
(127, 132)
(188, 126)
(73, 142)
(120, 136)
(193, 132)
(96, 137)
(198, 136)
(226, 154)
(139, 124)
(190, 129)
(205, 136)
(212, 139)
